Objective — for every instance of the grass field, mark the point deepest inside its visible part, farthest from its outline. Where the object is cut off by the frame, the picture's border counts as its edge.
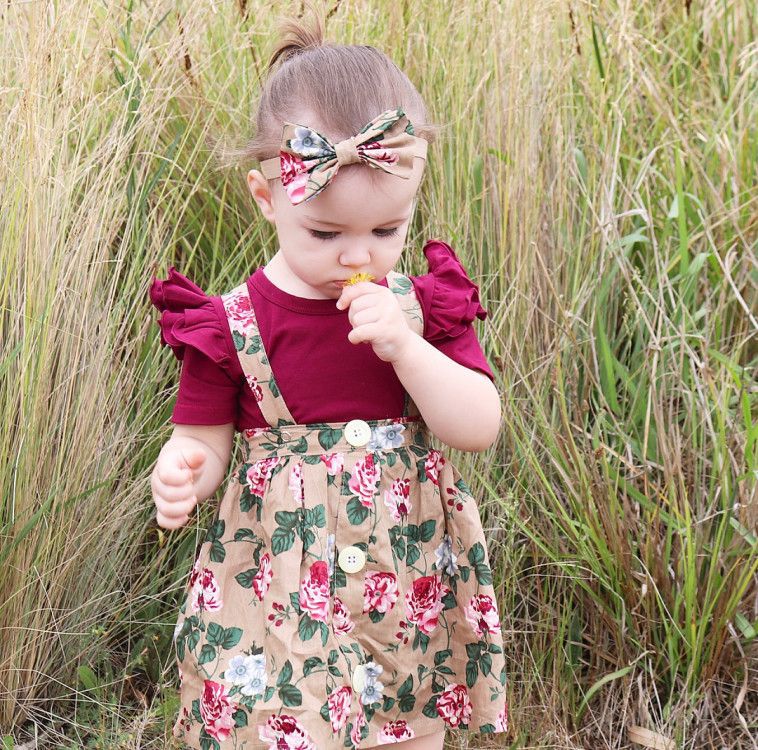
(597, 176)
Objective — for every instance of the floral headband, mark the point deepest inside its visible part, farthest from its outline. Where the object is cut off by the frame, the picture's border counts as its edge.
(308, 161)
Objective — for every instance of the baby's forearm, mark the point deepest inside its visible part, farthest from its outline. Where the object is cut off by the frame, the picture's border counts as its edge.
(460, 406)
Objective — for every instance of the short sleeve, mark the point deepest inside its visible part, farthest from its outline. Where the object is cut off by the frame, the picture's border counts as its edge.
(450, 303)
(190, 324)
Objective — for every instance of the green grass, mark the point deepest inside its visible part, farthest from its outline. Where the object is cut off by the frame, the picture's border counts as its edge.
(597, 178)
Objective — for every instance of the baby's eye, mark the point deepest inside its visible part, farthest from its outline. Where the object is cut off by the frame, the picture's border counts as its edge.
(331, 235)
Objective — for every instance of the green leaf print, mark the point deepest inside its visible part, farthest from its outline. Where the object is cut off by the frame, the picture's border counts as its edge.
(325, 712)
(427, 529)
(215, 634)
(449, 601)
(441, 656)
(375, 616)
(412, 553)
(406, 687)
(312, 663)
(487, 728)
(476, 554)
(215, 530)
(240, 718)
(329, 438)
(472, 670)
(430, 708)
(196, 710)
(231, 637)
(307, 627)
(285, 674)
(207, 742)
(333, 656)
(193, 639)
(485, 663)
(255, 345)
(483, 574)
(207, 653)
(242, 534)
(301, 446)
(218, 551)
(290, 695)
(324, 633)
(245, 578)
(356, 512)
(421, 640)
(281, 540)
(239, 340)
(272, 386)
(404, 457)
(388, 703)
(287, 519)
(406, 703)
(391, 459)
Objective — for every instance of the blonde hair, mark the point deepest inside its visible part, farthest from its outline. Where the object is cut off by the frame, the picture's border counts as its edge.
(344, 86)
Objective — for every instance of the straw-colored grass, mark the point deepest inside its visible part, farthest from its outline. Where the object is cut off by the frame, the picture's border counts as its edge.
(598, 178)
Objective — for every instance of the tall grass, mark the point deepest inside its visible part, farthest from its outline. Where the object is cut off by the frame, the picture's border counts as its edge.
(598, 178)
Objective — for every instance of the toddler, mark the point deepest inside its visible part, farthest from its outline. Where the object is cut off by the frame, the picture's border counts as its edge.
(342, 596)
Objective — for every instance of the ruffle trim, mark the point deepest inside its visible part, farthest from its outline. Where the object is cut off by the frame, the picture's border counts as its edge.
(188, 318)
(448, 296)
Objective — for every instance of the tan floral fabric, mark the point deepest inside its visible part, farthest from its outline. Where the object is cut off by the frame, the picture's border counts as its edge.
(342, 596)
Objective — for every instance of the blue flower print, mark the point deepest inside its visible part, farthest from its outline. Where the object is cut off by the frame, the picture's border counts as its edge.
(372, 692)
(445, 557)
(308, 143)
(386, 436)
(248, 671)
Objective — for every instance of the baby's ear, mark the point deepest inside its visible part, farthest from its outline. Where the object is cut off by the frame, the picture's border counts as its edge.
(261, 193)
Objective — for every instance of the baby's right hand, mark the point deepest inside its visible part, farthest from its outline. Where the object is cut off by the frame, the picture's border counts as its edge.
(173, 484)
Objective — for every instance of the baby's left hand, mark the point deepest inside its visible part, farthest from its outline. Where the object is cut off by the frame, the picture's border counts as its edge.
(376, 318)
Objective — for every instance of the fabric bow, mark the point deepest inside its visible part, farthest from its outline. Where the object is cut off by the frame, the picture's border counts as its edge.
(308, 161)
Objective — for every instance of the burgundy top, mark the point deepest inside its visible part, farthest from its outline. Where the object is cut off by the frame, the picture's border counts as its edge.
(321, 375)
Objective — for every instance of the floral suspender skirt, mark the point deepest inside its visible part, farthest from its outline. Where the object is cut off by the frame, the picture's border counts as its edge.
(342, 596)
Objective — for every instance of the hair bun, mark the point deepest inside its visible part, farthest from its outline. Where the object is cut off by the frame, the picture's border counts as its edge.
(295, 37)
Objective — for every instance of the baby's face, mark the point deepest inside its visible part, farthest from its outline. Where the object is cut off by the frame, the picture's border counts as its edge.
(355, 224)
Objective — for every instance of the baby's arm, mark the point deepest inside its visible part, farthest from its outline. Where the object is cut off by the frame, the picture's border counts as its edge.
(460, 406)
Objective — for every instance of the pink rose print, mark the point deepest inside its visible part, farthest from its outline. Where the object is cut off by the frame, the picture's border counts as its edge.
(454, 705)
(341, 620)
(364, 479)
(482, 615)
(239, 311)
(360, 722)
(284, 732)
(252, 381)
(206, 594)
(339, 706)
(259, 473)
(335, 463)
(501, 723)
(262, 579)
(379, 592)
(396, 498)
(296, 484)
(380, 153)
(423, 602)
(433, 465)
(314, 591)
(294, 176)
(395, 731)
(216, 709)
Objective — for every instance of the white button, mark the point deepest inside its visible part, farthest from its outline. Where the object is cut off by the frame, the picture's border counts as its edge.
(359, 678)
(352, 559)
(357, 432)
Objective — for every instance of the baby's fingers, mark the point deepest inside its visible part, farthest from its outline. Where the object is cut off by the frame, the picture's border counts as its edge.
(176, 508)
(170, 523)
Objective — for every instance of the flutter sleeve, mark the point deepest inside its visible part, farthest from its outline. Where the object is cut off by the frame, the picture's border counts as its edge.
(450, 303)
(191, 325)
